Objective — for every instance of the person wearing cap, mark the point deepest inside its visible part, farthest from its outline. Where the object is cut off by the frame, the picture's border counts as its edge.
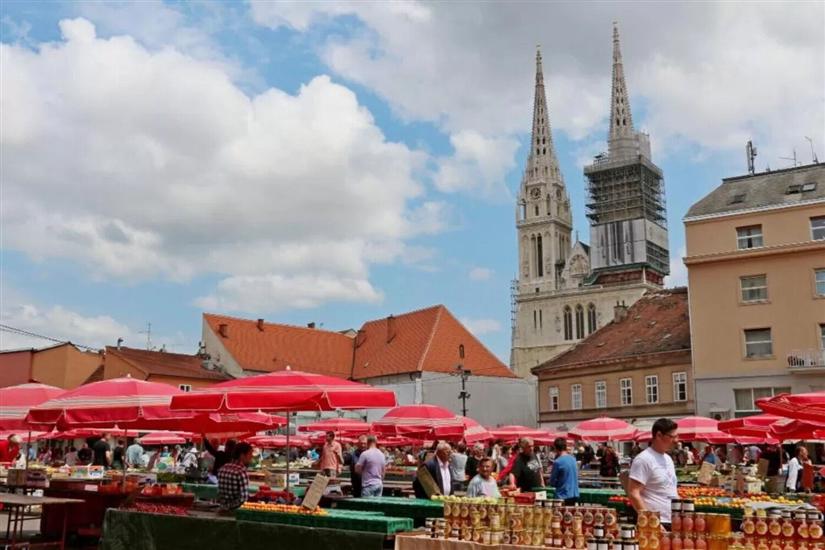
(10, 448)
(652, 482)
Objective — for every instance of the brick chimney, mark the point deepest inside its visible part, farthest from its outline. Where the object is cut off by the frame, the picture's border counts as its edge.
(223, 330)
(390, 328)
(311, 325)
(260, 325)
(619, 312)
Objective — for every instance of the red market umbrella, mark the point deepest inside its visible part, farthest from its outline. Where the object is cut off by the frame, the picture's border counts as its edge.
(756, 425)
(800, 406)
(15, 402)
(420, 422)
(697, 428)
(788, 429)
(83, 433)
(474, 432)
(320, 438)
(279, 441)
(347, 426)
(24, 437)
(603, 428)
(513, 433)
(165, 438)
(286, 391)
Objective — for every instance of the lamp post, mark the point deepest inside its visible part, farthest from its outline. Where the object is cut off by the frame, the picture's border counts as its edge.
(464, 395)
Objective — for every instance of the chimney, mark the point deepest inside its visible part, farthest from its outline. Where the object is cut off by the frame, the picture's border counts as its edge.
(619, 312)
(119, 342)
(260, 325)
(223, 330)
(311, 325)
(390, 328)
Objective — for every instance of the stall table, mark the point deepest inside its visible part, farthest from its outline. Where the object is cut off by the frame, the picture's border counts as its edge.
(128, 530)
(16, 505)
(416, 509)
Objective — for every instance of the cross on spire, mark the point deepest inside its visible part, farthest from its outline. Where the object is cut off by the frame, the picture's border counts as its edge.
(621, 120)
(542, 162)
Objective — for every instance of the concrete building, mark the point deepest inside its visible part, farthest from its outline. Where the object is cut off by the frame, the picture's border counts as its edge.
(417, 354)
(566, 290)
(637, 367)
(62, 365)
(756, 269)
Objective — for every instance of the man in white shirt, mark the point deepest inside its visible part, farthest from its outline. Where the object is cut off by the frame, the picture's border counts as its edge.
(439, 469)
(652, 480)
(795, 468)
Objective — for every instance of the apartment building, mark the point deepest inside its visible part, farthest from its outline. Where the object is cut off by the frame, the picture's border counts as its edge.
(756, 271)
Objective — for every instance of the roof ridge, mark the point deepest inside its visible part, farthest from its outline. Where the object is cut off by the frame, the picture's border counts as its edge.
(116, 352)
(440, 308)
(287, 325)
(163, 353)
(405, 314)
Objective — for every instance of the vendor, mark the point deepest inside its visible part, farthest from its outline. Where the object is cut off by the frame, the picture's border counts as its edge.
(10, 448)
(652, 480)
(439, 469)
(526, 472)
(233, 481)
(483, 484)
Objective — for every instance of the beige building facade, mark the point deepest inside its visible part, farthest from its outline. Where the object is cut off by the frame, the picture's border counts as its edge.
(756, 269)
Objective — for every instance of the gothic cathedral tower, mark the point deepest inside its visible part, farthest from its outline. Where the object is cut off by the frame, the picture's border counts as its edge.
(567, 290)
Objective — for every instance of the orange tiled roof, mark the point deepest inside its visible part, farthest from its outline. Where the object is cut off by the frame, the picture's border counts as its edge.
(423, 340)
(166, 364)
(278, 346)
(658, 322)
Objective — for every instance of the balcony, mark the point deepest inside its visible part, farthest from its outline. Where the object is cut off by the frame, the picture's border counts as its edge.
(806, 360)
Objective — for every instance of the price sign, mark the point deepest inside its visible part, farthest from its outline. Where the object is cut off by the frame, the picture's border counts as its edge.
(315, 492)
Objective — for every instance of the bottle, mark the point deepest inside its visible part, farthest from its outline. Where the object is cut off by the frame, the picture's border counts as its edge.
(775, 545)
(761, 524)
(802, 529)
(701, 543)
(687, 522)
(748, 524)
(699, 523)
(774, 527)
(687, 542)
(664, 543)
(787, 528)
(676, 522)
(676, 542)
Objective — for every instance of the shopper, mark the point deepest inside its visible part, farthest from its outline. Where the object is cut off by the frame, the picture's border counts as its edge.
(472, 461)
(609, 465)
(222, 456)
(134, 455)
(564, 476)
(458, 467)
(652, 480)
(10, 448)
(795, 466)
(354, 475)
(526, 472)
(233, 481)
(483, 484)
(118, 456)
(101, 454)
(332, 456)
(439, 468)
(370, 467)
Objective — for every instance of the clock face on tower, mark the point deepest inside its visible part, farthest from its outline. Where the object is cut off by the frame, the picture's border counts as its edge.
(535, 192)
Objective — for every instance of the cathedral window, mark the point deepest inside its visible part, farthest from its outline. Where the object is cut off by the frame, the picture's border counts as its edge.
(579, 321)
(541, 320)
(539, 255)
(591, 318)
(537, 210)
(535, 322)
(568, 323)
(533, 255)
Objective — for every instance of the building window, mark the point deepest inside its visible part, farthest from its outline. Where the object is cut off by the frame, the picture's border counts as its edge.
(591, 318)
(579, 321)
(540, 256)
(749, 237)
(745, 399)
(535, 320)
(754, 288)
(680, 386)
(541, 320)
(185, 387)
(819, 279)
(576, 396)
(758, 342)
(554, 398)
(818, 228)
(568, 323)
(652, 389)
(601, 394)
(822, 337)
(626, 391)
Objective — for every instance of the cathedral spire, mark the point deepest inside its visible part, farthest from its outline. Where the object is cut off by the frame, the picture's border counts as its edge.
(621, 120)
(542, 163)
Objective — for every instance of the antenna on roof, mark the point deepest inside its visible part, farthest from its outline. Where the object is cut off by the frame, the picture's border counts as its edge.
(793, 158)
(813, 153)
(148, 333)
(750, 153)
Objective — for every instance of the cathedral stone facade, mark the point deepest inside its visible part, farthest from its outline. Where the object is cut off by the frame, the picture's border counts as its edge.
(567, 289)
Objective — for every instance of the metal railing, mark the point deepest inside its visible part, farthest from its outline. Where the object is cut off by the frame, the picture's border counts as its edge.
(804, 359)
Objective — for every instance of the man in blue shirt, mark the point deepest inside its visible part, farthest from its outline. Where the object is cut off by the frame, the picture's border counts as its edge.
(564, 476)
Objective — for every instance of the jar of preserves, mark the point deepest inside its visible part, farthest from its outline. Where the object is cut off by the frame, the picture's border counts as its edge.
(687, 542)
(788, 529)
(676, 542)
(748, 523)
(774, 526)
(701, 543)
(687, 522)
(802, 530)
(761, 524)
(699, 523)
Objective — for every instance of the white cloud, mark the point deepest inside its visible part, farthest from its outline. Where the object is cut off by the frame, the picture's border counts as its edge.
(62, 324)
(142, 164)
(481, 274)
(478, 162)
(701, 74)
(678, 271)
(480, 327)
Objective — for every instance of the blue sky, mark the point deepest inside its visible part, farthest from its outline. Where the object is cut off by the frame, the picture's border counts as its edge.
(339, 162)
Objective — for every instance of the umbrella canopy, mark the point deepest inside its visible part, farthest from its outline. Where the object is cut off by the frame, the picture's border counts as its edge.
(319, 438)
(126, 402)
(474, 432)
(83, 433)
(15, 402)
(798, 429)
(286, 390)
(755, 426)
(698, 428)
(800, 406)
(165, 438)
(25, 437)
(420, 422)
(603, 428)
(513, 433)
(279, 441)
(338, 425)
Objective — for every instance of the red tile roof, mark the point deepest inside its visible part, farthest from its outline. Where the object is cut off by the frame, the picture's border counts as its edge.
(278, 346)
(424, 340)
(658, 322)
(165, 364)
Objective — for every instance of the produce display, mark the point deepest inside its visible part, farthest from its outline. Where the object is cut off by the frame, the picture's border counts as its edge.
(151, 508)
(282, 508)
